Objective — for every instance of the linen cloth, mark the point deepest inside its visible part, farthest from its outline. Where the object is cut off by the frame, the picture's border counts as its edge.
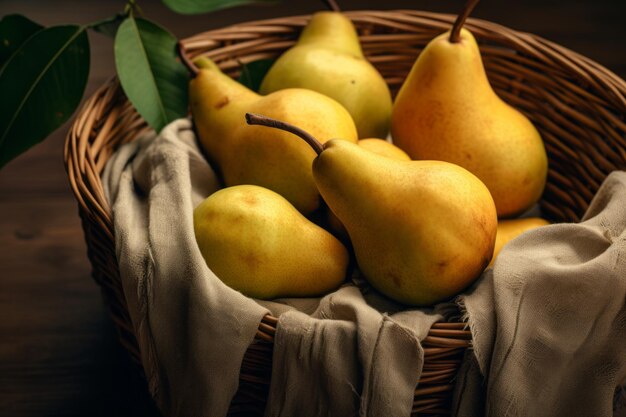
(192, 329)
(549, 320)
(354, 354)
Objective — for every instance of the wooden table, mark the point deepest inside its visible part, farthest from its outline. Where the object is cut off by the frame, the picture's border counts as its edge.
(58, 352)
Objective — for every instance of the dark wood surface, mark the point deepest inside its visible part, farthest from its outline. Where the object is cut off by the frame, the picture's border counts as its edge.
(58, 352)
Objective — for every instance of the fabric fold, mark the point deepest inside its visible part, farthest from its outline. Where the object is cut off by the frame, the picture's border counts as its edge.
(549, 320)
(192, 329)
(348, 358)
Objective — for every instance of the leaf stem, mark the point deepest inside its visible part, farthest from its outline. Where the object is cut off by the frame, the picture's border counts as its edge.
(257, 119)
(185, 59)
(132, 9)
(115, 17)
(332, 5)
(455, 33)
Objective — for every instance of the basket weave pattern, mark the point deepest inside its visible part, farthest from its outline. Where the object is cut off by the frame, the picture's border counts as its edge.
(578, 106)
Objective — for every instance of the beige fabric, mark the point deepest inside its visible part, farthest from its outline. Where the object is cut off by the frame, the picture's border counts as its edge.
(349, 357)
(193, 330)
(549, 320)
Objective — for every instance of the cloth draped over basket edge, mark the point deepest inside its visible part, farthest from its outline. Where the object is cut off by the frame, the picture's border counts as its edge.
(548, 321)
(347, 358)
(344, 359)
(167, 285)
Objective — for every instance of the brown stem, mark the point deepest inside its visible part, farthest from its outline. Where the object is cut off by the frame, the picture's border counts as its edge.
(257, 119)
(455, 33)
(332, 5)
(186, 61)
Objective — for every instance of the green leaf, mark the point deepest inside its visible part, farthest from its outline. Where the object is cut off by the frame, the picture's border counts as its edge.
(14, 30)
(151, 75)
(252, 74)
(108, 27)
(42, 83)
(205, 6)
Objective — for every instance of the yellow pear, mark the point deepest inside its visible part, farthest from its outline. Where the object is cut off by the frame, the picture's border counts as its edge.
(446, 110)
(429, 232)
(384, 148)
(335, 227)
(328, 59)
(511, 228)
(259, 156)
(380, 147)
(256, 242)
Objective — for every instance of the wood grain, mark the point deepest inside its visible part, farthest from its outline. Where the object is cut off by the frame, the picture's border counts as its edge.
(58, 353)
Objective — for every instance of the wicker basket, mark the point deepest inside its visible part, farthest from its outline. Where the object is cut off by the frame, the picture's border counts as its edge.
(578, 106)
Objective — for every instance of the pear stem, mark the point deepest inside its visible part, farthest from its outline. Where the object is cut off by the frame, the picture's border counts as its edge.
(455, 33)
(257, 119)
(332, 5)
(186, 61)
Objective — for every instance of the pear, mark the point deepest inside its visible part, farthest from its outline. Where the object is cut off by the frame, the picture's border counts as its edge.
(260, 156)
(446, 110)
(380, 147)
(426, 236)
(509, 229)
(256, 242)
(384, 148)
(327, 58)
(337, 228)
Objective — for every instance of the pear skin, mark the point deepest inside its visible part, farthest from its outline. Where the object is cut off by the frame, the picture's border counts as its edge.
(511, 228)
(263, 157)
(446, 110)
(427, 235)
(384, 148)
(256, 242)
(336, 227)
(380, 147)
(328, 59)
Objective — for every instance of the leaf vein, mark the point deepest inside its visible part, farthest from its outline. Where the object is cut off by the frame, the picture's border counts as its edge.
(156, 87)
(36, 83)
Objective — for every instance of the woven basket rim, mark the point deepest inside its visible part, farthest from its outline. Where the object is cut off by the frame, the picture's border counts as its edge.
(577, 63)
